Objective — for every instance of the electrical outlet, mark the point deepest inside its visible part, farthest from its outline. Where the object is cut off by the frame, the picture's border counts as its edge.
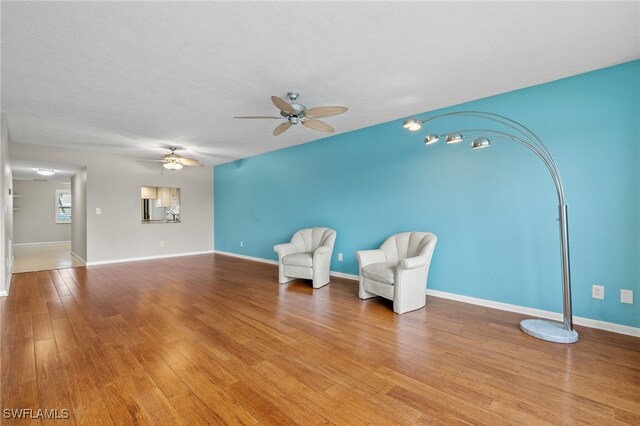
(626, 296)
(241, 243)
(161, 243)
(597, 291)
(339, 257)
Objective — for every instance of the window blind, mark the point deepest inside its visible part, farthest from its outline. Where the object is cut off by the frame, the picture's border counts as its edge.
(63, 202)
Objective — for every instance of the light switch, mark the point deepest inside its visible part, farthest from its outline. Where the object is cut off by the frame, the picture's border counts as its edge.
(626, 296)
(98, 210)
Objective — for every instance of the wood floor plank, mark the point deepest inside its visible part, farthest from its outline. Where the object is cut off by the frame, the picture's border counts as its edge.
(64, 335)
(193, 411)
(299, 401)
(22, 365)
(82, 386)
(211, 339)
(42, 328)
(259, 406)
(121, 402)
(213, 395)
(94, 413)
(56, 398)
(48, 366)
(159, 371)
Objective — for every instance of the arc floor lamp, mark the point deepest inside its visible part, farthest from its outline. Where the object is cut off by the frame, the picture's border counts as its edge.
(516, 132)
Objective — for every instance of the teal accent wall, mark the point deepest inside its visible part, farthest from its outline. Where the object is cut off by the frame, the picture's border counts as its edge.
(494, 210)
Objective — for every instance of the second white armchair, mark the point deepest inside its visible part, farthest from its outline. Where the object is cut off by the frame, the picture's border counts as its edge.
(398, 270)
(308, 255)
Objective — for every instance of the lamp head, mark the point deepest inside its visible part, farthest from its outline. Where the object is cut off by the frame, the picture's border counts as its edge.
(454, 138)
(412, 124)
(480, 143)
(431, 139)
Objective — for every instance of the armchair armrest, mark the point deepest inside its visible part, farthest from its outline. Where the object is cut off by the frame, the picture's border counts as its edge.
(367, 257)
(322, 250)
(285, 249)
(413, 262)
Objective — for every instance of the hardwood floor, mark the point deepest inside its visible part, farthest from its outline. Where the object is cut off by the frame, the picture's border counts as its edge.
(213, 339)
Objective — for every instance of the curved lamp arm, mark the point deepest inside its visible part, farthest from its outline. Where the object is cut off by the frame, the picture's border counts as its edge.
(498, 136)
(545, 330)
(520, 128)
(546, 159)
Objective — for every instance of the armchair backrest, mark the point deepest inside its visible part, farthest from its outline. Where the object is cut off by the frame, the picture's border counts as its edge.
(408, 244)
(310, 239)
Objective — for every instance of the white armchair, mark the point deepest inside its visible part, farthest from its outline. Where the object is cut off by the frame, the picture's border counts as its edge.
(308, 255)
(398, 270)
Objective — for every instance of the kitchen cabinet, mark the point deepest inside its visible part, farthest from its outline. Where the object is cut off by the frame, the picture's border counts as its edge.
(149, 192)
(163, 198)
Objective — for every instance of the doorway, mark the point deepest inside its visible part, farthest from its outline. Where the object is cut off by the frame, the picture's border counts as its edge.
(43, 210)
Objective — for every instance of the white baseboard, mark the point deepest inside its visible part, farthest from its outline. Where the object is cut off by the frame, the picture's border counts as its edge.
(345, 275)
(84, 262)
(137, 259)
(275, 262)
(44, 243)
(586, 322)
(242, 256)
(556, 316)
(608, 326)
(5, 293)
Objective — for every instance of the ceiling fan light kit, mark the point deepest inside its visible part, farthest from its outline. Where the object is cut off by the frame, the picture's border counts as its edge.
(174, 161)
(296, 113)
(173, 165)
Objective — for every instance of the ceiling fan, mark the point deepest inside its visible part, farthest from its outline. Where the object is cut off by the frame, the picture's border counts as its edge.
(174, 161)
(296, 113)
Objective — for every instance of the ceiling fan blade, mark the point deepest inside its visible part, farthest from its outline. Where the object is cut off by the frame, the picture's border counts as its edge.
(259, 116)
(314, 124)
(326, 111)
(190, 162)
(150, 161)
(283, 105)
(281, 128)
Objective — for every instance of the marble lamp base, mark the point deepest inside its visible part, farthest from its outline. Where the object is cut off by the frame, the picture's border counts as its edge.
(548, 330)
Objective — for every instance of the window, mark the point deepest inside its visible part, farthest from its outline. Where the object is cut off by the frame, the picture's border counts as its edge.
(63, 206)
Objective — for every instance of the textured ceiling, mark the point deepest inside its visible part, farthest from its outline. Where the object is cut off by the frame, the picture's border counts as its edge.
(133, 77)
(26, 170)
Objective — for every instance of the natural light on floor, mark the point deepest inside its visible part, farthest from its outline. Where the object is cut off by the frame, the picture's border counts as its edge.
(43, 257)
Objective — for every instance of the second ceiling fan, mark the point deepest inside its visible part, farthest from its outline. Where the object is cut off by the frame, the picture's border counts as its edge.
(296, 113)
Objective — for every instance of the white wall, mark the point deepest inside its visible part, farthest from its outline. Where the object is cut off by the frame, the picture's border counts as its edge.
(113, 185)
(34, 221)
(79, 215)
(6, 209)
